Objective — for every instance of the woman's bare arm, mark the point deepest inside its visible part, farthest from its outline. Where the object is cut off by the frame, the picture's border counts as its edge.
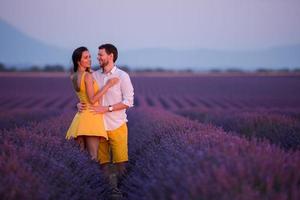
(93, 98)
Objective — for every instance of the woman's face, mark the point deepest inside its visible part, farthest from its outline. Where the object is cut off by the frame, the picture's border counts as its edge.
(85, 61)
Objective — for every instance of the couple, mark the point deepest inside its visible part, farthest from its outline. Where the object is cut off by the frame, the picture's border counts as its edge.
(104, 95)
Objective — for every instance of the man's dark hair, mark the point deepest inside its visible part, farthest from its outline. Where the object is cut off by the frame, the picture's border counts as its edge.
(110, 49)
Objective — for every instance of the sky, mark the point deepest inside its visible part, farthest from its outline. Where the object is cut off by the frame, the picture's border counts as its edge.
(173, 24)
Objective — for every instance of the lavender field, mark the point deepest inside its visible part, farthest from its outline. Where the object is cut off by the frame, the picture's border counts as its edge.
(190, 137)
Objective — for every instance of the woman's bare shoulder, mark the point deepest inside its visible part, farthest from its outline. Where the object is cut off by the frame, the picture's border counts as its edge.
(88, 76)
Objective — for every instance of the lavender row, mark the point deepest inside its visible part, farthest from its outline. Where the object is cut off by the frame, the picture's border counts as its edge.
(279, 127)
(228, 91)
(20, 117)
(36, 162)
(223, 92)
(28, 103)
(181, 102)
(171, 158)
(175, 158)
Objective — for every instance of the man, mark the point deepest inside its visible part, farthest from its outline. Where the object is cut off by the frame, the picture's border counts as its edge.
(114, 104)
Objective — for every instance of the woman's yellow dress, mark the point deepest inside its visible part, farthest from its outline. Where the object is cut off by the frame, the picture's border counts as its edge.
(86, 123)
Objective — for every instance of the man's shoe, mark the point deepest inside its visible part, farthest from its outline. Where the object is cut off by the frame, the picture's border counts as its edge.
(113, 180)
(115, 194)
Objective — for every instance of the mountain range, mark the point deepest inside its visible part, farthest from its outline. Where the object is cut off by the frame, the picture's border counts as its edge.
(20, 50)
(205, 59)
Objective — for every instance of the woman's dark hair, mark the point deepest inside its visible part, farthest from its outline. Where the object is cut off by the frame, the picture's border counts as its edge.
(76, 56)
(110, 49)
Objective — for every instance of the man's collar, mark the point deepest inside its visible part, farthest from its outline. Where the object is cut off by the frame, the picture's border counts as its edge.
(111, 71)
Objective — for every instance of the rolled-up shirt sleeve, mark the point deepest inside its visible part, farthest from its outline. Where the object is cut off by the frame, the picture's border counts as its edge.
(127, 91)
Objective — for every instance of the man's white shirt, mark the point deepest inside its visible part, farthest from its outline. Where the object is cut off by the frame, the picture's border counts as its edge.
(120, 92)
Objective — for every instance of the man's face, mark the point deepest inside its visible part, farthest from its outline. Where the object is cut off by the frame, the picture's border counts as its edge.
(103, 58)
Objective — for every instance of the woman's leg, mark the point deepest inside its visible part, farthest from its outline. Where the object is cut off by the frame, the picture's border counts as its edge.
(80, 141)
(92, 143)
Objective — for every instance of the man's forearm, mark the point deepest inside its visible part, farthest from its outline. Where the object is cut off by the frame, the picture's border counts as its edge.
(106, 109)
(119, 106)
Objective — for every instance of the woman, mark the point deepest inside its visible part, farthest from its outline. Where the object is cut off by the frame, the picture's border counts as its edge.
(87, 127)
